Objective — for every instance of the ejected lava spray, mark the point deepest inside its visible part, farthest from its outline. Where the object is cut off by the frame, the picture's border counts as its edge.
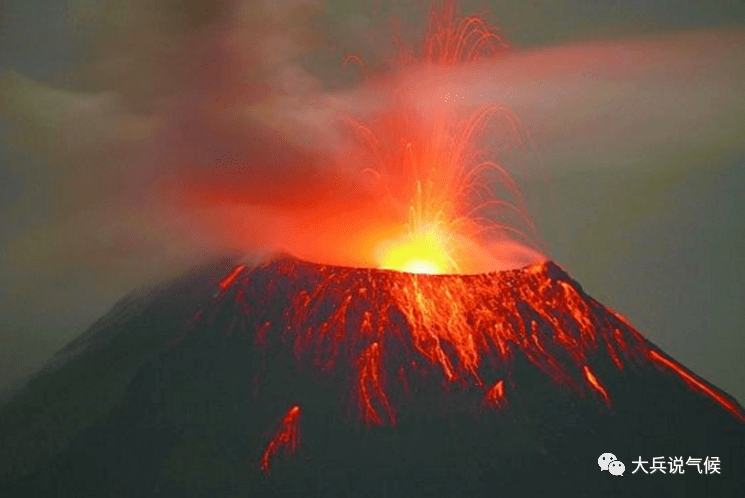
(432, 167)
(429, 319)
(400, 331)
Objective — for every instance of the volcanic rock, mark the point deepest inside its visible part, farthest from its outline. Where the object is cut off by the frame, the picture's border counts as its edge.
(290, 378)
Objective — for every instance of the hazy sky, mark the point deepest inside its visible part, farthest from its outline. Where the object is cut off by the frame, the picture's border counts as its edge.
(108, 109)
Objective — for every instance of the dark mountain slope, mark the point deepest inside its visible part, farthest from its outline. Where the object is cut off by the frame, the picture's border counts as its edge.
(296, 379)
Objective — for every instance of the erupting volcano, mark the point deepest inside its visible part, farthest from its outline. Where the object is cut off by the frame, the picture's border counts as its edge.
(432, 370)
(299, 379)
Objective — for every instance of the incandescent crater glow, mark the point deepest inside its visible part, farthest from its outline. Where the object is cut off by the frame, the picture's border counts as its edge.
(424, 252)
(454, 207)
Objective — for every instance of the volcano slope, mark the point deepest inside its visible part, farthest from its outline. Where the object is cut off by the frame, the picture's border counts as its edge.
(291, 378)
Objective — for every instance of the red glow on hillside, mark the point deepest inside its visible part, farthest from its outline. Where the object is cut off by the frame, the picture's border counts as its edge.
(463, 329)
(286, 438)
(697, 384)
(381, 340)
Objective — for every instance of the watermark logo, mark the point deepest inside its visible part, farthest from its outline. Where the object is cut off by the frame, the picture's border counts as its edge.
(675, 465)
(613, 465)
(616, 467)
(709, 465)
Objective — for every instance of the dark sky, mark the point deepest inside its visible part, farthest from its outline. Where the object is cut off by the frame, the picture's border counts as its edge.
(636, 109)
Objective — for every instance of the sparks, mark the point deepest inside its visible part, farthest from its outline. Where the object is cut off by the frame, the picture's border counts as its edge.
(431, 168)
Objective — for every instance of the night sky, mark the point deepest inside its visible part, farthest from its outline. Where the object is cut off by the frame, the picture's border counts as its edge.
(636, 109)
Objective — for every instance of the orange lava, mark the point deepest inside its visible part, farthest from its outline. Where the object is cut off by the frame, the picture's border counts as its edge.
(595, 383)
(460, 323)
(495, 396)
(286, 438)
(382, 338)
(383, 330)
(697, 384)
(370, 388)
(422, 252)
(431, 169)
(428, 311)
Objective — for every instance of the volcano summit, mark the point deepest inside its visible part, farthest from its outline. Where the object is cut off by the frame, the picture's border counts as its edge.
(299, 379)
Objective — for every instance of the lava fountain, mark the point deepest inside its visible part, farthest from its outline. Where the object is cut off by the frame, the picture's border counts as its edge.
(458, 362)
(430, 167)
(431, 318)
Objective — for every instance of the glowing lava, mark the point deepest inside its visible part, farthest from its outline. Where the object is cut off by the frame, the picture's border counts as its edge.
(378, 342)
(230, 278)
(370, 387)
(495, 396)
(696, 383)
(424, 251)
(430, 165)
(286, 439)
(595, 383)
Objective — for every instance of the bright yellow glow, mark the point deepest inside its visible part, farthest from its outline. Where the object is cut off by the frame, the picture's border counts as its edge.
(417, 253)
(421, 266)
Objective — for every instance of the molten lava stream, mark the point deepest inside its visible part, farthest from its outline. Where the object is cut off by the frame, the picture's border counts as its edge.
(286, 439)
(697, 384)
(442, 302)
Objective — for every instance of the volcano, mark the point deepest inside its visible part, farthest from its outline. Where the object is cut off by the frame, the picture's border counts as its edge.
(290, 378)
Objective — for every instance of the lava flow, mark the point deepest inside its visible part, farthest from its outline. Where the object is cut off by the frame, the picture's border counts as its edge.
(432, 323)
(287, 438)
(456, 361)
(382, 341)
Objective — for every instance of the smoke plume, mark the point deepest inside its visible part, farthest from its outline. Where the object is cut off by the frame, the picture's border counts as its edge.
(201, 128)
